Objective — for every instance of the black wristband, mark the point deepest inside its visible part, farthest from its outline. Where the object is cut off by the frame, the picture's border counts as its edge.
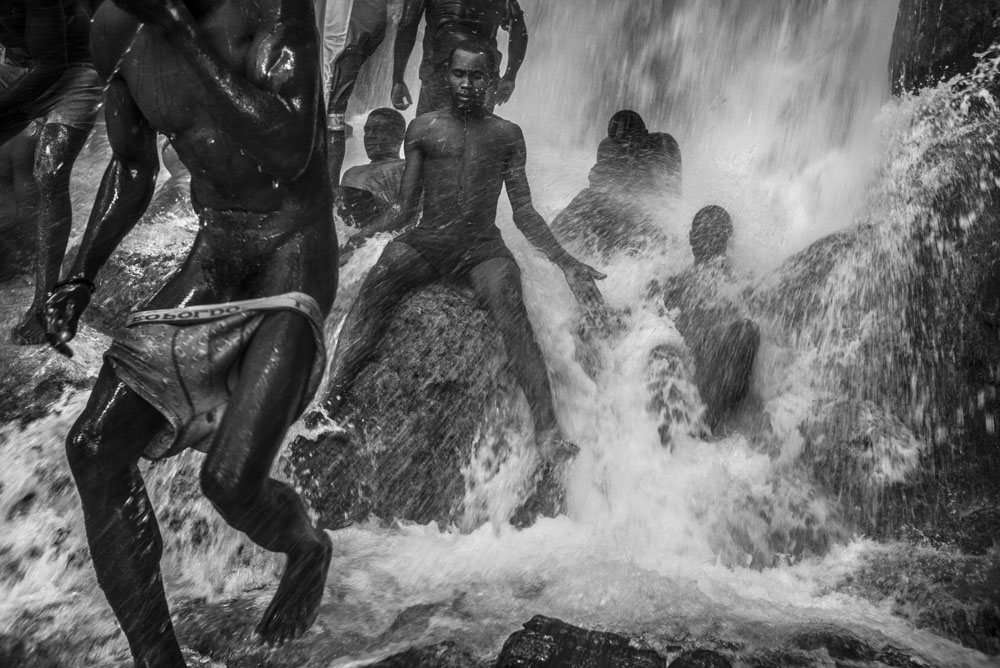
(76, 280)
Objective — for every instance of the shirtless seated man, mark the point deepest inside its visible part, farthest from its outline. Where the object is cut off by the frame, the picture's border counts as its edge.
(460, 158)
(384, 133)
(230, 350)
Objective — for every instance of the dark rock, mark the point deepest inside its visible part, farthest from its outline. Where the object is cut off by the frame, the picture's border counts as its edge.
(935, 40)
(442, 655)
(550, 643)
(436, 388)
(600, 224)
(700, 658)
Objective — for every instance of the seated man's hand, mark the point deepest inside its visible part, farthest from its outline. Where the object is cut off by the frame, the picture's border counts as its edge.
(400, 96)
(580, 278)
(504, 90)
(63, 308)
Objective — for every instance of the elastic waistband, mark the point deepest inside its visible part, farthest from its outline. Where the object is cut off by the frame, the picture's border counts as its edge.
(298, 302)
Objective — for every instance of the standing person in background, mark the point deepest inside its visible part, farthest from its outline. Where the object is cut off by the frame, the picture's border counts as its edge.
(354, 29)
(449, 23)
(49, 94)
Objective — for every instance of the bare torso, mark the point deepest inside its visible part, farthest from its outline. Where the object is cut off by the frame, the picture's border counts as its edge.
(223, 175)
(463, 167)
(261, 234)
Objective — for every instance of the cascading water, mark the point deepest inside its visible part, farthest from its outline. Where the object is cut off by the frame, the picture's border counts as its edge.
(781, 112)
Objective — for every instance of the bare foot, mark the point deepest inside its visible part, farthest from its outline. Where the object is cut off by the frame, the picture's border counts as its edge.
(28, 332)
(296, 603)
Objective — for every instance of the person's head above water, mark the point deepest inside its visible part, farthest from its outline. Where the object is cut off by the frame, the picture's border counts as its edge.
(626, 125)
(384, 133)
(473, 69)
(710, 232)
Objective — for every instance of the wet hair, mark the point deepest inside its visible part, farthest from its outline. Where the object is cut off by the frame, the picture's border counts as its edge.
(391, 120)
(476, 46)
(710, 232)
(626, 124)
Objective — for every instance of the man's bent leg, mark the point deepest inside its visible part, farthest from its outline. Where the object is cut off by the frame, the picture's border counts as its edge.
(57, 149)
(236, 474)
(103, 449)
(399, 270)
(498, 284)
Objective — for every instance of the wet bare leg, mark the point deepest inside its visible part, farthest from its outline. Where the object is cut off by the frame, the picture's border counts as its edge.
(103, 449)
(498, 284)
(18, 203)
(235, 475)
(57, 149)
(399, 270)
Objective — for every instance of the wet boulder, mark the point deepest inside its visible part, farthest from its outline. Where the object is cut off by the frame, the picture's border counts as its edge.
(446, 654)
(600, 224)
(935, 40)
(433, 414)
(551, 643)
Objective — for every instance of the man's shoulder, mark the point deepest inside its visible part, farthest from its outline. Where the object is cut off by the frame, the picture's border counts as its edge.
(111, 31)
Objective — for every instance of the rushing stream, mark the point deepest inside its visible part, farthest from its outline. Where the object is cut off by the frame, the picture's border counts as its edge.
(783, 116)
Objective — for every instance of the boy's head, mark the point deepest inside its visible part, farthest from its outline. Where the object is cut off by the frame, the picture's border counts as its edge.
(710, 232)
(626, 125)
(384, 133)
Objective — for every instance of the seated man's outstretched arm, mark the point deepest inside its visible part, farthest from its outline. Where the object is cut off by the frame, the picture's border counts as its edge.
(45, 37)
(579, 276)
(123, 196)
(271, 110)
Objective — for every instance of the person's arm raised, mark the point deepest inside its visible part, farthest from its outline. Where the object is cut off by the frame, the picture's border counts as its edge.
(271, 110)
(123, 196)
(517, 49)
(406, 37)
(579, 276)
(45, 38)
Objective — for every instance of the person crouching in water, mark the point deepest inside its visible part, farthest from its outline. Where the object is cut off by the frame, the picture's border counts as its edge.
(723, 342)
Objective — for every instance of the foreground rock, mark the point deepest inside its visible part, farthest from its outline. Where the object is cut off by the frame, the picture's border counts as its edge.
(551, 643)
(435, 392)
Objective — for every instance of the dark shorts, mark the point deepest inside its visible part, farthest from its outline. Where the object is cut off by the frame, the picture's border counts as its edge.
(72, 100)
(452, 251)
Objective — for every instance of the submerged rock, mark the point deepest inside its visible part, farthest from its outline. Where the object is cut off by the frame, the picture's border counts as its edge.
(436, 392)
(550, 643)
(442, 655)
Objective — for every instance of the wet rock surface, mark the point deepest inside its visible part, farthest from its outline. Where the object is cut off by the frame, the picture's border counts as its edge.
(935, 40)
(550, 643)
(435, 390)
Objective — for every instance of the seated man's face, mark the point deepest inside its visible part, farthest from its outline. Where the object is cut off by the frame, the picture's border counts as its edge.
(381, 140)
(469, 80)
